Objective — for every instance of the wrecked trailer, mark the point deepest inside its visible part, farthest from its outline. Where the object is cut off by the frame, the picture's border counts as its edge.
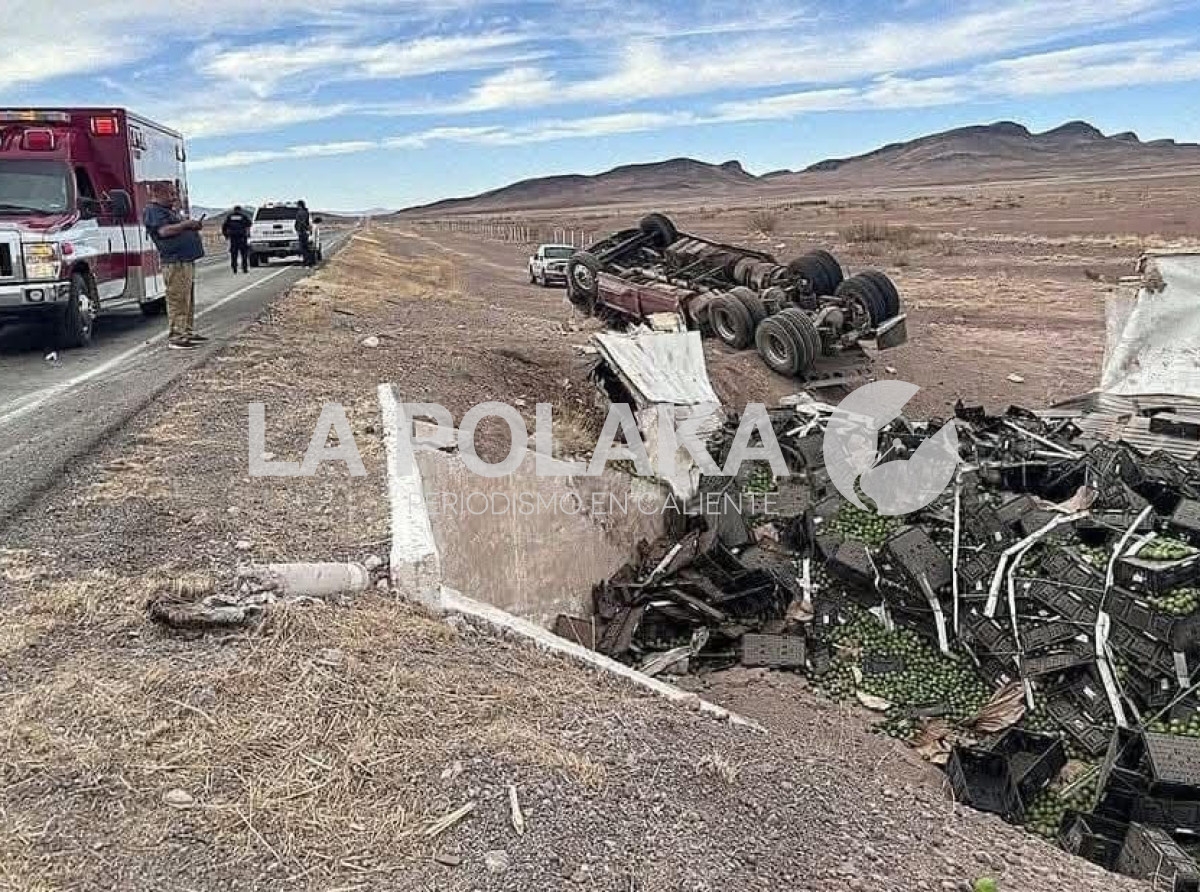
(1035, 629)
(804, 318)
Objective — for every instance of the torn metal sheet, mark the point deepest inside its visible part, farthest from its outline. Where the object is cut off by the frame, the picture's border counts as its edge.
(666, 375)
(1154, 337)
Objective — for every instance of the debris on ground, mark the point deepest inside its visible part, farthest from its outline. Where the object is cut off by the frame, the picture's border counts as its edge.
(1035, 629)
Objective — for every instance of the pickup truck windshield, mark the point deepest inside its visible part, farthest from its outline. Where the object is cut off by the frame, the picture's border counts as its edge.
(34, 187)
(557, 253)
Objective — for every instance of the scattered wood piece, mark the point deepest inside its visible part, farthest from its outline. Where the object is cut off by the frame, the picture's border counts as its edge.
(518, 817)
(444, 823)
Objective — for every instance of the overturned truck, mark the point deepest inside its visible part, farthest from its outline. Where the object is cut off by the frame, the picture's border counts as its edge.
(805, 318)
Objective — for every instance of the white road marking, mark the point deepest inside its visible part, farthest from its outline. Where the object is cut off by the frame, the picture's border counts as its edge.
(55, 390)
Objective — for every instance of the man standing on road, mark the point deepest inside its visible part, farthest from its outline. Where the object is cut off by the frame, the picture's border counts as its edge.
(304, 231)
(236, 230)
(179, 247)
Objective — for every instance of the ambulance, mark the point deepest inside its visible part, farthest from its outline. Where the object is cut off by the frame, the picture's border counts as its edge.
(73, 185)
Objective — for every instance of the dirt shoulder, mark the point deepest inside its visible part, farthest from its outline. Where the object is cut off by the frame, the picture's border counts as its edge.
(321, 750)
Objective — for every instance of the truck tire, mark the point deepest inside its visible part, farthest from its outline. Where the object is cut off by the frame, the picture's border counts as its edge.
(810, 274)
(783, 351)
(731, 321)
(660, 229)
(73, 325)
(887, 288)
(863, 292)
(753, 303)
(254, 261)
(804, 328)
(834, 275)
(154, 307)
(583, 283)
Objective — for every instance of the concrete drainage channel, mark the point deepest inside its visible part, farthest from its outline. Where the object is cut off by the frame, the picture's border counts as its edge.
(416, 571)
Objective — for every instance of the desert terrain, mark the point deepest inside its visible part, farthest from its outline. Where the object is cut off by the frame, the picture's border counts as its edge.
(358, 743)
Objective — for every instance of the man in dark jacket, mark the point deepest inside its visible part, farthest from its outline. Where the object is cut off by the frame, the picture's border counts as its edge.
(179, 247)
(236, 230)
(304, 231)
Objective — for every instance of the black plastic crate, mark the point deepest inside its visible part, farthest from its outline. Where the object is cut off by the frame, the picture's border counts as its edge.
(975, 570)
(1150, 854)
(1139, 614)
(986, 636)
(1034, 760)
(1186, 519)
(1049, 635)
(1090, 738)
(918, 556)
(981, 779)
(1067, 568)
(1143, 652)
(1176, 816)
(983, 526)
(1049, 664)
(1173, 760)
(1062, 601)
(1012, 511)
(852, 564)
(1157, 577)
(773, 651)
(1094, 837)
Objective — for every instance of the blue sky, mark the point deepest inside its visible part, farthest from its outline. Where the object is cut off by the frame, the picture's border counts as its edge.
(385, 103)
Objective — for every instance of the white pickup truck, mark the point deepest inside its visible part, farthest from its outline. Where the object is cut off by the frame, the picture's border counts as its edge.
(273, 234)
(549, 264)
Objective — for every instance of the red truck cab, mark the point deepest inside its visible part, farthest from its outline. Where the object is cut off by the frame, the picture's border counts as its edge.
(73, 185)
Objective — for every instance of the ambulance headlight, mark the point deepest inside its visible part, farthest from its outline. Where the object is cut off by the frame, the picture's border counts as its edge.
(42, 261)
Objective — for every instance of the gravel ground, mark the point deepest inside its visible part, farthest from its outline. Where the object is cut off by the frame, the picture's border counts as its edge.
(320, 750)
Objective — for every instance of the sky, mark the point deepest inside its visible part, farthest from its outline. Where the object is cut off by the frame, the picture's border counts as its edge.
(356, 104)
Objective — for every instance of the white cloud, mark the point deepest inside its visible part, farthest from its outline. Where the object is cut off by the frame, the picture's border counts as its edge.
(1092, 67)
(514, 87)
(265, 68)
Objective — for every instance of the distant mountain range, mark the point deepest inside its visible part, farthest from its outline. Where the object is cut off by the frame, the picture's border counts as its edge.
(982, 153)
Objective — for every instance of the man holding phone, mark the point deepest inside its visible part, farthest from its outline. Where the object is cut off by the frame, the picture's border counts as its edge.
(179, 247)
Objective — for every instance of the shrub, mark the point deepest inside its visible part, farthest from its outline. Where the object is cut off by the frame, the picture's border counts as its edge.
(764, 220)
(905, 236)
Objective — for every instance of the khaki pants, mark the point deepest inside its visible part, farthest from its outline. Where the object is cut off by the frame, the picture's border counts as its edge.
(181, 298)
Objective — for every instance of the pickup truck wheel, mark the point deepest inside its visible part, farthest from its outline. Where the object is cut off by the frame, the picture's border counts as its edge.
(154, 307)
(583, 280)
(660, 229)
(732, 321)
(253, 259)
(532, 277)
(783, 351)
(73, 326)
(887, 288)
(802, 325)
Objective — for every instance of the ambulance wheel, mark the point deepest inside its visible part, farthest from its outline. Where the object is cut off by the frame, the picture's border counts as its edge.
(154, 307)
(75, 320)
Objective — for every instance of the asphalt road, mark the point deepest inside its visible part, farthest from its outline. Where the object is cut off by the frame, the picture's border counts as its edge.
(52, 411)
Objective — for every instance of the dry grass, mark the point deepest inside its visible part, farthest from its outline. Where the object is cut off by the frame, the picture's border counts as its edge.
(901, 237)
(763, 220)
(309, 742)
(719, 766)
